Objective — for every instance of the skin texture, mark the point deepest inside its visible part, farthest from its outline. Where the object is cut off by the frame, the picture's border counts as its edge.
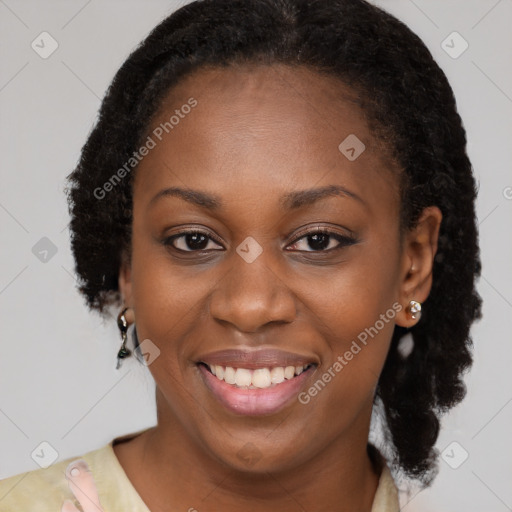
(256, 134)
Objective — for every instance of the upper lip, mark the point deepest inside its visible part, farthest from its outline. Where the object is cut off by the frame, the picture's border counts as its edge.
(256, 358)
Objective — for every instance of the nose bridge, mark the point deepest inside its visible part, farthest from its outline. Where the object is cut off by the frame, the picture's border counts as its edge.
(251, 294)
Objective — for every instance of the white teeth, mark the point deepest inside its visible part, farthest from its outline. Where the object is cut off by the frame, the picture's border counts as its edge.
(242, 377)
(277, 375)
(289, 372)
(259, 378)
(229, 375)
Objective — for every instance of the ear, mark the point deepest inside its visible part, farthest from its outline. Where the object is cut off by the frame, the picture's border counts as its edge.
(418, 252)
(125, 281)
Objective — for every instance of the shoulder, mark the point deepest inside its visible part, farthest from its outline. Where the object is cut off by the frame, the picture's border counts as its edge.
(386, 496)
(98, 472)
(46, 489)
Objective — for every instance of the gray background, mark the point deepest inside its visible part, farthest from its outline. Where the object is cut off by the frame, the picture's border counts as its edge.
(57, 378)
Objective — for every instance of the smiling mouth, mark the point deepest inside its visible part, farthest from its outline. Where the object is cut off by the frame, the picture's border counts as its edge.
(258, 378)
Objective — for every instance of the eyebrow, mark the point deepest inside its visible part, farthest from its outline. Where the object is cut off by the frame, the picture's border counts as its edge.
(289, 201)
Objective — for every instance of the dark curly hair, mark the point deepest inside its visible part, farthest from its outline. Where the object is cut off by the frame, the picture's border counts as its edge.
(410, 107)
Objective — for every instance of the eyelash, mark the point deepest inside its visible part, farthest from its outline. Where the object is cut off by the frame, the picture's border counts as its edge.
(344, 240)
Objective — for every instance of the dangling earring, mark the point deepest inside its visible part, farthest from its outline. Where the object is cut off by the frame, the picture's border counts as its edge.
(122, 323)
(414, 309)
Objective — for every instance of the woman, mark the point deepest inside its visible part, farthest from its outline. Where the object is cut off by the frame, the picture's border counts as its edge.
(278, 200)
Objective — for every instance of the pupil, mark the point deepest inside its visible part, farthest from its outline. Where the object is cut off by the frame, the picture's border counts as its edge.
(319, 241)
(194, 240)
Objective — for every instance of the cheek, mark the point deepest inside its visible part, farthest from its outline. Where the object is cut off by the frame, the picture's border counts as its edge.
(355, 311)
(350, 297)
(168, 302)
(357, 332)
(167, 308)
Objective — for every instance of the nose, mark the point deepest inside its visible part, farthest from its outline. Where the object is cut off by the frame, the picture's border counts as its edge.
(252, 295)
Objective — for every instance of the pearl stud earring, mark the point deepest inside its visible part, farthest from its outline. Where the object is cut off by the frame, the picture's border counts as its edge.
(414, 309)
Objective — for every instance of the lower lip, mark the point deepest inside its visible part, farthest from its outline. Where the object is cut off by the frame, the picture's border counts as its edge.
(254, 401)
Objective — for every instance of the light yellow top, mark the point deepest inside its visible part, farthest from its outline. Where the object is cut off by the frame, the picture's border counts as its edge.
(46, 490)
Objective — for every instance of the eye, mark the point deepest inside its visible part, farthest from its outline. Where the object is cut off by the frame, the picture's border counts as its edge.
(322, 240)
(318, 239)
(190, 241)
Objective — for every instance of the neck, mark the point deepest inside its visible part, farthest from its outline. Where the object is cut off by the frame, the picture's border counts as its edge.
(167, 465)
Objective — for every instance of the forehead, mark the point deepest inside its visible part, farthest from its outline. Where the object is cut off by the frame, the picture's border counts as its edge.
(274, 96)
(299, 86)
(259, 126)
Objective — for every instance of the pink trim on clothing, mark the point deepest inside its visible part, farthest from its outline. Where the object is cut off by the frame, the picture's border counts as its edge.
(83, 487)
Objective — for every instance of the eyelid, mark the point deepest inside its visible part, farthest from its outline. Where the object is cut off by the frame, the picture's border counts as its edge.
(343, 239)
(168, 241)
(311, 230)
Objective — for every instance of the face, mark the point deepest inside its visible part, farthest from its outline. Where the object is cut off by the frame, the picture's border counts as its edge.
(265, 254)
